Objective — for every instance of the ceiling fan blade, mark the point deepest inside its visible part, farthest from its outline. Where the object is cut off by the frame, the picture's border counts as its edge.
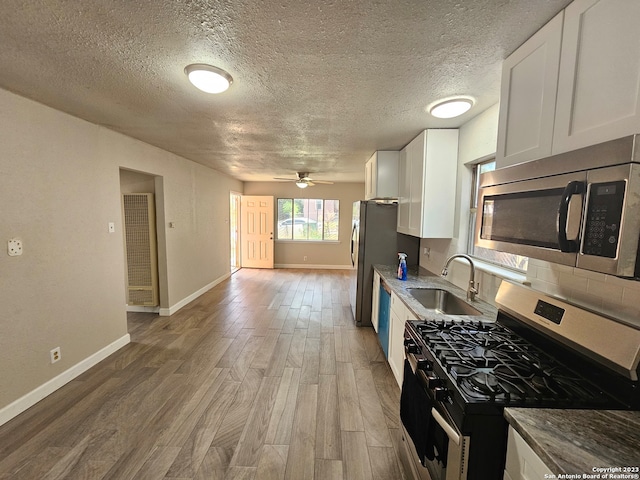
(305, 178)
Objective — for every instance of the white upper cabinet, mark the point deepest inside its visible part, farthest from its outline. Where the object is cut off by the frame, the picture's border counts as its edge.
(404, 190)
(427, 184)
(575, 83)
(528, 97)
(381, 175)
(598, 87)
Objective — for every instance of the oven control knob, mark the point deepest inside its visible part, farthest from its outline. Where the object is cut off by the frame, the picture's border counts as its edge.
(424, 364)
(434, 382)
(411, 346)
(441, 393)
(415, 349)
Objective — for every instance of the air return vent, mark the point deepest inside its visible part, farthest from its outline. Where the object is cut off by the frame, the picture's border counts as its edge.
(140, 245)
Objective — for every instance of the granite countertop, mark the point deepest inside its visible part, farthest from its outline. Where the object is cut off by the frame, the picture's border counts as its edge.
(422, 278)
(577, 441)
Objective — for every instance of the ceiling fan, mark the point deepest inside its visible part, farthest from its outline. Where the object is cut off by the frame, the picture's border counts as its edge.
(304, 180)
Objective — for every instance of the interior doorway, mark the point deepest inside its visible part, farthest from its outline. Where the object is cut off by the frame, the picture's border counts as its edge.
(143, 242)
(234, 231)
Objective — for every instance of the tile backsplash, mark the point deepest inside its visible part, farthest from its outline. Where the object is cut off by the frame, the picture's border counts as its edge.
(612, 296)
(440, 250)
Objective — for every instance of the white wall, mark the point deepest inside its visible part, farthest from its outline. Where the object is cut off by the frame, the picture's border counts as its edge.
(59, 189)
(136, 182)
(319, 255)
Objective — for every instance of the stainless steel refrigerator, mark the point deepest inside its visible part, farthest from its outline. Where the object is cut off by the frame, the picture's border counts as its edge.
(374, 240)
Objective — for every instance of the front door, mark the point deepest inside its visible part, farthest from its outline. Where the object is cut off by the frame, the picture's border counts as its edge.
(257, 231)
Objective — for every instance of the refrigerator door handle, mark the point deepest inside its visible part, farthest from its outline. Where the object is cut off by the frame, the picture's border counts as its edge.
(353, 236)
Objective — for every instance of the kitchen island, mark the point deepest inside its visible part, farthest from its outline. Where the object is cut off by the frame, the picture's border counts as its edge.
(581, 442)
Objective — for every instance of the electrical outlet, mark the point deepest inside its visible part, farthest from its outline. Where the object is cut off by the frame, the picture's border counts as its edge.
(56, 354)
(14, 247)
(426, 252)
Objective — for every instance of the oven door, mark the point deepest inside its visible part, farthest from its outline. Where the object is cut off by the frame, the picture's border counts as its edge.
(538, 218)
(433, 438)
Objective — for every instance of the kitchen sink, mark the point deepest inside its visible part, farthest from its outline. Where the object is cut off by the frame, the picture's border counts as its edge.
(442, 301)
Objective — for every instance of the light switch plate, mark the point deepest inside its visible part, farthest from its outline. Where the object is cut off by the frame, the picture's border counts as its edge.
(112, 227)
(14, 247)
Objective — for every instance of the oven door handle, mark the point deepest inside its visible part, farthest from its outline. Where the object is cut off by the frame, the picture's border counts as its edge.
(451, 433)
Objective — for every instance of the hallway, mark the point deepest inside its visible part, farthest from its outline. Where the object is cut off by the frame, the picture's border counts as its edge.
(263, 377)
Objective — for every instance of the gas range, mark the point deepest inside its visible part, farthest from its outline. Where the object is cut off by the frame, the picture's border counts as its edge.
(540, 352)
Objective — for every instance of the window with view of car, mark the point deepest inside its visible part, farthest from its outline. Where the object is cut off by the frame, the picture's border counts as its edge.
(308, 219)
(503, 259)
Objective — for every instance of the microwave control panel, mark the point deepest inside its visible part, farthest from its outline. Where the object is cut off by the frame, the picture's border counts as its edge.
(603, 215)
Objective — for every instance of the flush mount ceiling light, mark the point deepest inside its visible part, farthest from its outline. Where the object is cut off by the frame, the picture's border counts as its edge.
(208, 78)
(450, 107)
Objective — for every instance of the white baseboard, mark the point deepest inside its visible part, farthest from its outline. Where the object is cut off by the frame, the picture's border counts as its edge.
(315, 267)
(165, 312)
(143, 309)
(26, 401)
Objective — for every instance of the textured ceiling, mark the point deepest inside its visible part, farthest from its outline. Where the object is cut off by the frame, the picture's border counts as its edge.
(318, 85)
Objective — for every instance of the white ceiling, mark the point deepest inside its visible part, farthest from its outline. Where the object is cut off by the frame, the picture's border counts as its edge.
(318, 84)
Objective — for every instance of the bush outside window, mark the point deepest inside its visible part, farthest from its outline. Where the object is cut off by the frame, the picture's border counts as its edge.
(308, 219)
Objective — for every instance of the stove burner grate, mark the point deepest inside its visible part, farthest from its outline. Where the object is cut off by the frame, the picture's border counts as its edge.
(490, 363)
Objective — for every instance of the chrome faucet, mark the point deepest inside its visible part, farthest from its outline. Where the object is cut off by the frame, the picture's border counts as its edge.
(473, 286)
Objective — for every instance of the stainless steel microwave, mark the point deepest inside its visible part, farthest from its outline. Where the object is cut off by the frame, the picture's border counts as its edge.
(580, 208)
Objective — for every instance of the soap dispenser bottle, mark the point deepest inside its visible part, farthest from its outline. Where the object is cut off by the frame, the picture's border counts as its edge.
(402, 266)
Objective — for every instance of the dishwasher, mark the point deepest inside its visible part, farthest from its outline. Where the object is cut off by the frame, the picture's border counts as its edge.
(384, 314)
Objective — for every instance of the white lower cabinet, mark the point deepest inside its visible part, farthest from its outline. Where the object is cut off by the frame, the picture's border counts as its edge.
(375, 301)
(522, 462)
(399, 316)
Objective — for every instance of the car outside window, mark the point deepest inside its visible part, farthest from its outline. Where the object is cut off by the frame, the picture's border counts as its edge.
(308, 219)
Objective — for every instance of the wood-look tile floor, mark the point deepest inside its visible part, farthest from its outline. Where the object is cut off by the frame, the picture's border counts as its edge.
(263, 377)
